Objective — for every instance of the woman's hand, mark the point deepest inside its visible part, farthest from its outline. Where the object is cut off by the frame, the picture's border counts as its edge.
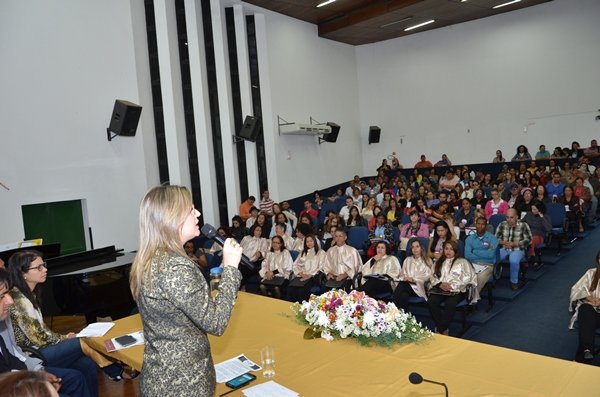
(71, 335)
(446, 287)
(269, 275)
(232, 253)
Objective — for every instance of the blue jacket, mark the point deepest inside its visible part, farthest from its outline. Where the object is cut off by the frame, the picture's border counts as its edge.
(481, 249)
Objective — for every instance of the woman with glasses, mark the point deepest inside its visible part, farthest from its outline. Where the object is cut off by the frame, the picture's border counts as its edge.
(27, 272)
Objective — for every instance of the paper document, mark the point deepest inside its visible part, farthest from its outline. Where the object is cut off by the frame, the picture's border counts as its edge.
(479, 268)
(234, 367)
(95, 329)
(269, 389)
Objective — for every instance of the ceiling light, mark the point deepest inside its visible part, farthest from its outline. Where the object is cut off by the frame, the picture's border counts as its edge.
(419, 25)
(395, 22)
(325, 3)
(506, 4)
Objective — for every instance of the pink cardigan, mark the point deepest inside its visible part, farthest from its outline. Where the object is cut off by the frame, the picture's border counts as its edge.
(502, 208)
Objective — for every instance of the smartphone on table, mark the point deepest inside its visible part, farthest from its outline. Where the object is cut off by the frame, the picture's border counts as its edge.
(240, 381)
(126, 340)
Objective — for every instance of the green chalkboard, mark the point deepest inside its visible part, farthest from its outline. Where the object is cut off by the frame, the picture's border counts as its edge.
(58, 222)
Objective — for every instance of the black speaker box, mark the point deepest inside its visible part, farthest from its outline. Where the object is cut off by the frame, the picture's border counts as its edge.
(125, 118)
(333, 135)
(250, 129)
(374, 134)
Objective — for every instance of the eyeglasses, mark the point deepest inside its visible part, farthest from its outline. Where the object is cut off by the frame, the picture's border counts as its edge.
(39, 267)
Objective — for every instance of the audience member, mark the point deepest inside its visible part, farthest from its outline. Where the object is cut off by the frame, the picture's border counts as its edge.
(238, 230)
(498, 158)
(481, 249)
(354, 219)
(345, 211)
(305, 269)
(522, 154)
(441, 234)
(496, 206)
(540, 225)
(381, 231)
(253, 215)
(70, 382)
(266, 204)
(27, 272)
(379, 272)
(341, 262)
(424, 163)
(246, 206)
(451, 276)
(444, 162)
(514, 237)
(413, 276)
(585, 303)
(542, 154)
(555, 187)
(308, 209)
(275, 269)
(465, 215)
(575, 213)
(255, 247)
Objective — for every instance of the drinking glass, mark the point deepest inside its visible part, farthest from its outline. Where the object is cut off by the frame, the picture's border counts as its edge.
(267, 357)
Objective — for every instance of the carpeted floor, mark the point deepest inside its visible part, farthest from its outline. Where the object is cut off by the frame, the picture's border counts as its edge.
(536, 320)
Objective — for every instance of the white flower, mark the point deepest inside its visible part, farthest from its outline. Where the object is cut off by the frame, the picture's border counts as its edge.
(326, 335)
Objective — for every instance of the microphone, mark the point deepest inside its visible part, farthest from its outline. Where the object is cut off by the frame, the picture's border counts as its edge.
(416, 379)
(210, 232)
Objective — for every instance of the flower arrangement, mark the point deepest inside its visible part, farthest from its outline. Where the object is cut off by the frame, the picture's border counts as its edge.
(337, 314)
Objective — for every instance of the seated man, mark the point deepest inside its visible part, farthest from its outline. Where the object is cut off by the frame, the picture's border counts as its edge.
(480, 250)
(424, 163)
(554, 188)
(68, 382)
(246, 206)
(341, 262)
(514, 237)
(308, 209)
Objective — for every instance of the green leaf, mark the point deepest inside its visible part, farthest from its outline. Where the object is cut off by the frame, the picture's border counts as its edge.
(311, 333)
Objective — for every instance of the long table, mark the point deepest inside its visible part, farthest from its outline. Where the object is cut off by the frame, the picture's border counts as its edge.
(345, 368)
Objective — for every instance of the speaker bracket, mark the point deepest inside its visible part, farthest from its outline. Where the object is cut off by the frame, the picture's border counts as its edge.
(109, 135)
(237, 139)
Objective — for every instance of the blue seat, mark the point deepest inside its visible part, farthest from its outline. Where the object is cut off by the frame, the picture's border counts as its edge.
(497, 219)
(339, 203)
(294, 255)
(358, 237)
(405, 219)
(396, 235)
(557, 214)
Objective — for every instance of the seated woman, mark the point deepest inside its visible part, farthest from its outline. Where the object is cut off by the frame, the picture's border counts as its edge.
(255, 247)
(379, 272)
(416, 228)
(573, 208)
(280, 218)
(306, 267)
(27, 272)
(394, 213)
(585, 302)
(275, 269)
(496, 205)
(238, 230)
(367, 211)
(465, 216)
(261, 220)
(449, 280)
(441, 234)
(381, 231)
(376, 211)
(354, 219)
(540, 225)
(415, 273)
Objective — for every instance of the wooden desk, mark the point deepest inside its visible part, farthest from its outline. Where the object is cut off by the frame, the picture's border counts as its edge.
(343, 368)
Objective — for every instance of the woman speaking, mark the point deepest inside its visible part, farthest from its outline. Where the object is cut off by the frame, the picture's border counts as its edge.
(174, 298)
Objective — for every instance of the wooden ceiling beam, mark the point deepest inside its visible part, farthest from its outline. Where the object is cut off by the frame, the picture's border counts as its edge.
(362, 14)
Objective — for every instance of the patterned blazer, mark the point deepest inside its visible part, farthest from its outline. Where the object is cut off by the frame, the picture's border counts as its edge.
(177, 314)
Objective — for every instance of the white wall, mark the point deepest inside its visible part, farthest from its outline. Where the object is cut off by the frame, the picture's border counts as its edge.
(63, 64)
(529, 76)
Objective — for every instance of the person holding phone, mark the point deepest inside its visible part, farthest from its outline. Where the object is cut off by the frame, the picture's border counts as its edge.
(175, 303)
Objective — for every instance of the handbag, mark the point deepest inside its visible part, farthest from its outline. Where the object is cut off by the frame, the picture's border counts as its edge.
(297, 282)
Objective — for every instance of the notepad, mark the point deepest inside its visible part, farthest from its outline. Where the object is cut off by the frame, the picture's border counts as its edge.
(269, 389)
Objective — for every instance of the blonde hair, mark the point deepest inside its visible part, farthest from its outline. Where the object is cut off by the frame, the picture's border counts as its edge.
(162, 213)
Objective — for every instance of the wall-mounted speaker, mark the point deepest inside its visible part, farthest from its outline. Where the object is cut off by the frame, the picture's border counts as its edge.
(250, 129)
(333, 135)
(125, 118)
(374, 134)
